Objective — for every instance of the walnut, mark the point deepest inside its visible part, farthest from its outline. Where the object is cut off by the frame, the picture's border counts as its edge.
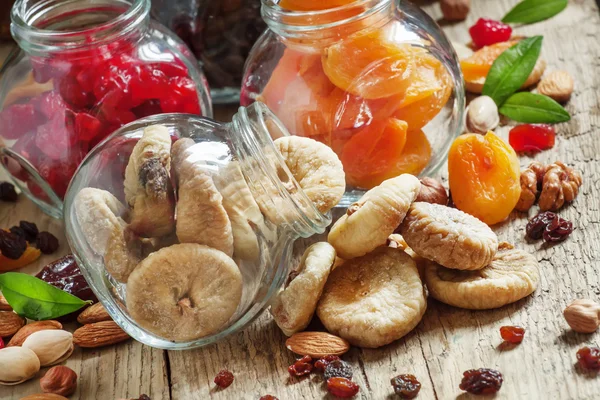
(540, 171)
(561, 184)
(529, 190)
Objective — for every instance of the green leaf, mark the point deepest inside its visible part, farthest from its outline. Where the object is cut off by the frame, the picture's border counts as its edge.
(530, 11)
(511, 69)
(534, 108)
(35, 299)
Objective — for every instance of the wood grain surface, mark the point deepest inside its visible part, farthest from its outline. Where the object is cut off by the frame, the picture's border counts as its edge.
(449, 340)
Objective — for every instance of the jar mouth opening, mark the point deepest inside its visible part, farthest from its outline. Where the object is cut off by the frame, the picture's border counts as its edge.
(34, 24)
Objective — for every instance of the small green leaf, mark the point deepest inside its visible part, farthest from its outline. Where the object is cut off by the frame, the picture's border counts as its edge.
(530, 11)
(35, 299)
(534, 108)
(511, 69)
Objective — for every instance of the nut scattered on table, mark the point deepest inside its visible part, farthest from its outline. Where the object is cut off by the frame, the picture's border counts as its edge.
(582, 315)
(59, 380)
(482, 115)
(561, 185)
(44, 396)
(94, 313)
(455, 10)
(432, 191)
(4, 306)
(557, 85)
(24, 332)
(17, 364)
(10, 323)
(529, 190)
(99, 334)
(317, 344)
(51, 346)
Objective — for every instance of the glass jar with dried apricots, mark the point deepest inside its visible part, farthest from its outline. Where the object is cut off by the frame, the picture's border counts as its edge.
(376, 80)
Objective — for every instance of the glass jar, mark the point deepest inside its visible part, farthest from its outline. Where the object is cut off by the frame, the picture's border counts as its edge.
(376, 80)
(265, 204)
(83, 69)
(220, 33)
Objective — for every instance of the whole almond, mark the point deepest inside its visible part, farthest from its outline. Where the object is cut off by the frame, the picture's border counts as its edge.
(4, 306)
(317, 344)
(99, 334)
(557, 85)
(10, 323)
(28, 329)
(44, 396)
(94, 313)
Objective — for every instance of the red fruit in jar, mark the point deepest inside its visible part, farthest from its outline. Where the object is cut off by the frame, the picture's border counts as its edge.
(149, 83)
(86, 127)
(342, 387)
(17, 120)
(74, 94)
(50, 104)
(55, 138)
(182, 97)
(487, 31)
(148, 107)
(512, 334)
(589, 357)
(171, 69)
(532, 137)
(115, 116)
(58, 173)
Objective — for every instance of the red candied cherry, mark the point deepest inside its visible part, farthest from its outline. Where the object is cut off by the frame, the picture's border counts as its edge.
(175, 68)
(487, 31)
(115, 116)
(182, 98)
(18, 119)
(58, 173)
(55, 138)
(149, 83)
(74, 94)
(85, 126)
(532, 137)
(50, 104)
(148, 107)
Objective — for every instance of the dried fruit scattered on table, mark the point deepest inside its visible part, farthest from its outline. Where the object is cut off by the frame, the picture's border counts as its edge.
(455, 10)
(532, 137)
(484, 176)
(30, 255)
(10, 323)
(24, 332)
(321, 363)
(11, 245)
(557, 85)
(8, 192)
(589, 357)
(224, 379)
(59, 380)
(342, 387)
(301, 367)
(268, 397)
(317, 344)
(432, 191)
(30, 230)
(406, 386)
(549, 226)
(512, 334)
(486, 32)
(17, 364)
(481, 381)
(583, 315)
(561, 185)
(338, 368)
(482, 115)
(47, 243)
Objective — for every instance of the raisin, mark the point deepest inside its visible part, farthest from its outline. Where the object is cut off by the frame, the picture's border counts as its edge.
(512, 334)
(268, 397)
(8, 192)
(481, 381)
(224, 378)
(338, 368)
(17, 230)
(30, 229)
(536, 225)
(12, 246)
(406, 386)
(301, 367)
(487, 31)
(144, 397)
(342, 387)
(558, 230)
(321, 363)
(589, 357)
(47, 243)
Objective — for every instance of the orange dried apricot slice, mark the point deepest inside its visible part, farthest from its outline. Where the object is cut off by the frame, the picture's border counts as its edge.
(477, 66)
(369, 66)
(30, 255)
(484, 176)
(351, 112)
(311, 5)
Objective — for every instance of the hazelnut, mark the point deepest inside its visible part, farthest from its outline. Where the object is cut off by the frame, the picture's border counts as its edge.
(482, 115)
(582, 315)
(432, 191)
(59, 380)
(455, 10)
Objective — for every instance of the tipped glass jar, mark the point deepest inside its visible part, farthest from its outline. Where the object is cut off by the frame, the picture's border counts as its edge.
(183, 226)
(376, 80)
(83, 69)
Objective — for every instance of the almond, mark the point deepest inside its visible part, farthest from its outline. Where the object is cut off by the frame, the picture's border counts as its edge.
(28, 329)
(558, 85)
(99, 334)
(94, 313)
(4, 306)
(317, 344)
(44, 396)
(10, 323)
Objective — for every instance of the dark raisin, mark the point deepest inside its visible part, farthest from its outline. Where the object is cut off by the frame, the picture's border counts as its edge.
(481, 381)
(558, 230)
(321, 363)
(301, 367)
(8, 192)
(338, 368)
(268, 397)
(512, 334)
(12, 246)
(144, 397)
(536, 225)
(342, 387)
(406, 386)
(589, 357)
(224, 378)
(30, 229)
(47, 243)
(16, 230)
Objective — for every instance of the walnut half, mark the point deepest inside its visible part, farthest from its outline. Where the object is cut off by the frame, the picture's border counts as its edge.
(561, 185)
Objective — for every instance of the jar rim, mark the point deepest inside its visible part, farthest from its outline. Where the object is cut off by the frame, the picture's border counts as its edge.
(26, 18)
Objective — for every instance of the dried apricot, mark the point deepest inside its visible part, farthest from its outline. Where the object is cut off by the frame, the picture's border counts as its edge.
(477, 66)
(350, 111)
(311, 5)
(484, 176)
(30, 255)
(368, 65)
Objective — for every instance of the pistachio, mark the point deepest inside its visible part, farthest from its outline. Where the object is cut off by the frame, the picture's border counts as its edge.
(51, 346)
(482, 115)
(17, 364)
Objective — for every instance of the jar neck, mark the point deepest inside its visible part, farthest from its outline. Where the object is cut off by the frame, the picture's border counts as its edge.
(326, 24)
(253, 130)
(50, 26)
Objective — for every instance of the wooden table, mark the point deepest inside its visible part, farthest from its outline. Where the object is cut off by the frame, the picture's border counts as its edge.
(449, 340)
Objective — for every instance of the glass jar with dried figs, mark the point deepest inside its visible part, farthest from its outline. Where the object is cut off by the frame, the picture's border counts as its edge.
(183, 226)
(85, 68)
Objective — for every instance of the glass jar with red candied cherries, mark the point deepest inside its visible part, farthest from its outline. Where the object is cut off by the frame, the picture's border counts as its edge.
(376, 80)
(83, 69)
